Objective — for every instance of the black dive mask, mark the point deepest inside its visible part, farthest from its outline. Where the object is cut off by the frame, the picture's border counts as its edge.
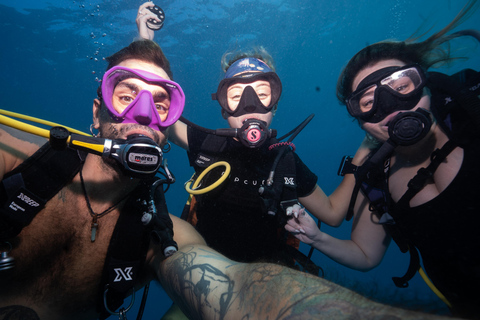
(385, 91)
(250, 103)
(248, 70)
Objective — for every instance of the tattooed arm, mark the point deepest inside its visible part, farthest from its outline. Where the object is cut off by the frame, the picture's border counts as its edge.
(206, 285)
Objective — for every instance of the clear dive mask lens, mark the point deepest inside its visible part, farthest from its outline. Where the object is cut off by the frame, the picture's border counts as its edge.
(385, 91)
(249, 98)
(145, 108)
(245, 71)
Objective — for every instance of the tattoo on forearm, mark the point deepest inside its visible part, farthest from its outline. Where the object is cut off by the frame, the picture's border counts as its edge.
(263, 291)
(200, 283)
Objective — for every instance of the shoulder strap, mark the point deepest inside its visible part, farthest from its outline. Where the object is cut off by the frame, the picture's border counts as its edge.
(126, 252)
(418, 181)
(144, 217)
(25, 190)
(282, 192)
(211, 147)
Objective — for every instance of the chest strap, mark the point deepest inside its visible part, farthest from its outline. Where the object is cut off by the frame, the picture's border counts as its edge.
(418, 181)
(144, 217)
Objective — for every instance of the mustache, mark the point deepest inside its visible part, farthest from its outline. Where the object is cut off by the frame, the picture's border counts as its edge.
(134, 126)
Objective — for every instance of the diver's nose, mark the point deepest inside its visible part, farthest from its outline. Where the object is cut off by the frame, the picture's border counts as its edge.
(143, 112)
(249, 96)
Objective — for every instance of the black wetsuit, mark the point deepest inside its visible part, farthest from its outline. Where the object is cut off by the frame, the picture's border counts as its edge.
(445, 230)
(232, 218)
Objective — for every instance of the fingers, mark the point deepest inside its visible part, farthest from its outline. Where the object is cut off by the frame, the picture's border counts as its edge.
(296, 210)
(144, 13)
(145, 5)
(289, 211)
(294, 228)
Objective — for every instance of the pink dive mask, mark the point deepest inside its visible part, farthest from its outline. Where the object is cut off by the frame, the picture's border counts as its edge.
(142, 110)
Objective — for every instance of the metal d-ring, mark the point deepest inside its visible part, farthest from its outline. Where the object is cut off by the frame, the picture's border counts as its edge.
(122, 313)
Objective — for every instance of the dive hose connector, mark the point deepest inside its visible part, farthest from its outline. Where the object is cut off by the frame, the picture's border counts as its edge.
(139, 155)
(252, 134)
(6, 262)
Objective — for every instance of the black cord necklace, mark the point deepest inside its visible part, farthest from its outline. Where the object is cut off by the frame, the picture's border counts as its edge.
(96, 216)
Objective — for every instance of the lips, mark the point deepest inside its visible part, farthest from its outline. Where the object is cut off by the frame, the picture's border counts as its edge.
(389, 118)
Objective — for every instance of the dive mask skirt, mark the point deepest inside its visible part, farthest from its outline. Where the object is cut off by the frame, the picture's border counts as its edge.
(248, 70)
(385, 91)
(142, 109)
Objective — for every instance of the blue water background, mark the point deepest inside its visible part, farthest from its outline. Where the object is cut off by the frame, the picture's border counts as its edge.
(52, 53)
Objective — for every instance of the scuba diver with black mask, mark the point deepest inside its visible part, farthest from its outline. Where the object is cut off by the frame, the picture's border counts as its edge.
(419, 185)
(244, 216)
(248, 96)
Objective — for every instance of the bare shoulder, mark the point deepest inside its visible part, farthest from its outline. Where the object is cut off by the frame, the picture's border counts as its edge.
(15, 147)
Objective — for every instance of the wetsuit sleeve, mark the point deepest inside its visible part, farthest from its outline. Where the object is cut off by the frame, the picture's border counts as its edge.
(306, 179)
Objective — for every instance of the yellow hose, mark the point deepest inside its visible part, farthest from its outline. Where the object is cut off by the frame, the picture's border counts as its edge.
(432, 286)
(195, 191)
(30, 128)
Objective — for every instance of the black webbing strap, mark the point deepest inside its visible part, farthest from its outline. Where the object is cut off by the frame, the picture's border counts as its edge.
(402, 282)
(25, 190)
(283, 191)
(286, 179)
(418, 181)
(126, 252)
(211, 147)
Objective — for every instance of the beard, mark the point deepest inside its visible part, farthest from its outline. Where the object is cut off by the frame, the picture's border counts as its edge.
(119, 131)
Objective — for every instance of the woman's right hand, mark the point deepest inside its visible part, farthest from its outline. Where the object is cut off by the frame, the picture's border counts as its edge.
(303, 227)
(142, 16)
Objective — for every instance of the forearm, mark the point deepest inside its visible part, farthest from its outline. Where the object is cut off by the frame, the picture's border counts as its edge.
(177, 134)
(332, 209)
(321, 206)
(208, 286)
(340, 197)
(345, 252)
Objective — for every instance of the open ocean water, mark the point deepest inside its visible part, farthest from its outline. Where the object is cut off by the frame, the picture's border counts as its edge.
(52, 54)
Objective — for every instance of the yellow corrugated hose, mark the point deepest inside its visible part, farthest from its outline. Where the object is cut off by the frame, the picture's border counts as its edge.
(200, 177)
